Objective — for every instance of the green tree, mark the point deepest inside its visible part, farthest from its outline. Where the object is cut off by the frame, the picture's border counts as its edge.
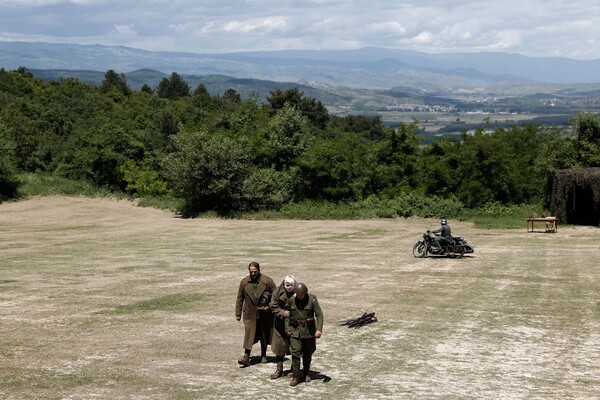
(277, 98)
(115, 81)
(267, 189)
(231, 96)
(337, 169)
(20, 129)
(396, 157)
(207, 171)
(288, 135)
(556, 152)
(173, 87)
(484, 173)
(437, 167)
(371, 127)
(99, 154)
(142, 180)
(146, 89)
(202, 98)
(313, 109)
(8, 179)
(19, 83)
(588, 139)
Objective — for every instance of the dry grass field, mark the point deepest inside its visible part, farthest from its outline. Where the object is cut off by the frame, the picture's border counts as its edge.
(101, 299)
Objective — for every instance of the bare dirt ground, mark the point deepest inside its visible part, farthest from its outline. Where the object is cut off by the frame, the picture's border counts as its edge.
(101, 299)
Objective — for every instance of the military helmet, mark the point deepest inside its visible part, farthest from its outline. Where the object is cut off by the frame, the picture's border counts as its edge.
(300, 288)
(264, 299)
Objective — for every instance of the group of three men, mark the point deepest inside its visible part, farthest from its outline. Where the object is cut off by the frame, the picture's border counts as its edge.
(286, 316)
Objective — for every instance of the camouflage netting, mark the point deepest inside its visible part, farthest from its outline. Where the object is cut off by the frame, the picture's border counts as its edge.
(576, 196)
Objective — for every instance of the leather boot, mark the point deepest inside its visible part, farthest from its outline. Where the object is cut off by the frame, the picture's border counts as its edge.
(245, 360)
(279, 371)
(295, 368)
(294, 382)
(306, 366)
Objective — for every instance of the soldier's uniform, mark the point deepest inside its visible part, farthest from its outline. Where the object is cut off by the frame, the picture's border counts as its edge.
(280, 341)
(257, 324)
(306, 317)
(445, 235)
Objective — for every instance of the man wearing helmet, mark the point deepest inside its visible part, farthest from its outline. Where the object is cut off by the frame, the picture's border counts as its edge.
(257, 315)
(445, 235)
(303, 326)
(280, 342)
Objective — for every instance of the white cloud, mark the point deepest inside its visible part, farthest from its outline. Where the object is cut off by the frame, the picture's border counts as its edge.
(261, 25)
(530, 27)
(125, 30)
(505, 40)
(423, 38)
(40, 3)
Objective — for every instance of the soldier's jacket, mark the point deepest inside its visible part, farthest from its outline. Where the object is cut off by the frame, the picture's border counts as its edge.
(246, 304)
(279, 301)
(280, 343)
(303, 323)
(445, 231)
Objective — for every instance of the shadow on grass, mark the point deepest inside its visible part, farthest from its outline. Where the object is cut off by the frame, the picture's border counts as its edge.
(314, 375)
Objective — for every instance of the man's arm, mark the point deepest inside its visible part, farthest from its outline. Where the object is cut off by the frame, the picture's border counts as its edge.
(318, 316)
(239, 301)
(274, 304)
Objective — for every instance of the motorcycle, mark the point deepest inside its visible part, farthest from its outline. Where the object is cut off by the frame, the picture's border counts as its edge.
(457, 248)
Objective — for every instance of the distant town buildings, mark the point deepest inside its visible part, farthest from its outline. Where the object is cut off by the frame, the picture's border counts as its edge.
(420, 107)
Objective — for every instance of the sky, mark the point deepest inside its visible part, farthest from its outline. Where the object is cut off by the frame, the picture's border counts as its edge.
(537, 28)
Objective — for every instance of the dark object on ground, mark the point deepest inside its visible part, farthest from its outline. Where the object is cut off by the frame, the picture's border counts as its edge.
(360, 321)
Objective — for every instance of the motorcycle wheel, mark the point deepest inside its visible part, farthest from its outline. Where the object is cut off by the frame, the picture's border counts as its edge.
(459, 250)
(419, 249)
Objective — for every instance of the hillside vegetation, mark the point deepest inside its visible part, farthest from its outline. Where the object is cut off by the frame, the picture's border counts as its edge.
(228, 155)
(445, 109)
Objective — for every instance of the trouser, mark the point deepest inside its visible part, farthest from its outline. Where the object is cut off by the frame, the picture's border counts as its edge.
(441, 241)
(302, 348)
(280, 342)
(260, 336)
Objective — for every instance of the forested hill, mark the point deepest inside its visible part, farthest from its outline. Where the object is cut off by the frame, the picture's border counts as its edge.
(228, 154)
(215, 84)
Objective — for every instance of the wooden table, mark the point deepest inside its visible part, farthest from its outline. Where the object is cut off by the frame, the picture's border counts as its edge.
(551, 223)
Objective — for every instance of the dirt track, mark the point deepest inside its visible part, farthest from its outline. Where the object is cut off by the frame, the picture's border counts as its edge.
(101, 299)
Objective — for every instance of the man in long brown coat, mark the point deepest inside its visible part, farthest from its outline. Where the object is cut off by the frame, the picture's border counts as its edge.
(258, 319)
(280, 341)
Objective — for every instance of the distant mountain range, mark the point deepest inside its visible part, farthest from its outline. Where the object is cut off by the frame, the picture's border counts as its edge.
(366, 68)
